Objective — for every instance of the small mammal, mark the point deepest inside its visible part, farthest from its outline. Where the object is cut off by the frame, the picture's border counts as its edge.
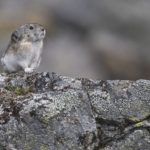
(25, 49)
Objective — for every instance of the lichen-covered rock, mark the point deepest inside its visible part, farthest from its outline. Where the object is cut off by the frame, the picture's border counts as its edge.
(45, 111)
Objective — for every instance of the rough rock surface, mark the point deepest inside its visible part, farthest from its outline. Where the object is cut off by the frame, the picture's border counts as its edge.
(45, 111)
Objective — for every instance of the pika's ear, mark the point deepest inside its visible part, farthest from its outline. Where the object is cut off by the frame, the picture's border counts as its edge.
(16, 36)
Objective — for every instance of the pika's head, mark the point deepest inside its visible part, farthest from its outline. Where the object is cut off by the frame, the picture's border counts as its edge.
(31, 32)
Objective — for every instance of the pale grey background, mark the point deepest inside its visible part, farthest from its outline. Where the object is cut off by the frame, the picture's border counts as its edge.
(99, 39)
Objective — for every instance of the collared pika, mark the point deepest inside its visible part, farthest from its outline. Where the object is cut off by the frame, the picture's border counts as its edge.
(25, 48)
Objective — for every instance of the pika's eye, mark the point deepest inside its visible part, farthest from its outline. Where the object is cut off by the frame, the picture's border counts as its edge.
(31, 27)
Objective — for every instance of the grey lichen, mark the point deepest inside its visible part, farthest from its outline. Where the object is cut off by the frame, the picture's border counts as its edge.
(45, 111)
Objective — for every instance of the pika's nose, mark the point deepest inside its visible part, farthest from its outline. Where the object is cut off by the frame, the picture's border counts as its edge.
(42, 29)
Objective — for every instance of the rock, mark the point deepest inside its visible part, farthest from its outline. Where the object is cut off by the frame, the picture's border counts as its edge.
(45, 111)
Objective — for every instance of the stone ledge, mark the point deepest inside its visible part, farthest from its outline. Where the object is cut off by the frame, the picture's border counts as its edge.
(45, 111)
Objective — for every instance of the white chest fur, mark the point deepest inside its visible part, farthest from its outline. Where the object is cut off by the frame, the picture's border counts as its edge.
(27, 58)
(33, 55)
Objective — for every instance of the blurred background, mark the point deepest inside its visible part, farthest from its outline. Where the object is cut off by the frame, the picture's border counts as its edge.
(99, 39)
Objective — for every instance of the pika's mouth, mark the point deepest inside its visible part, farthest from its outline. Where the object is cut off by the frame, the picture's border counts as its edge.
(43, 34)
(40, 37)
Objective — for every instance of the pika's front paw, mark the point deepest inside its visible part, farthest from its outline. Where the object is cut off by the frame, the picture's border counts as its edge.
(29, 70)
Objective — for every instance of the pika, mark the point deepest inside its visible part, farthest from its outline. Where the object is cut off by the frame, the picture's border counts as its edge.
(24, 49)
